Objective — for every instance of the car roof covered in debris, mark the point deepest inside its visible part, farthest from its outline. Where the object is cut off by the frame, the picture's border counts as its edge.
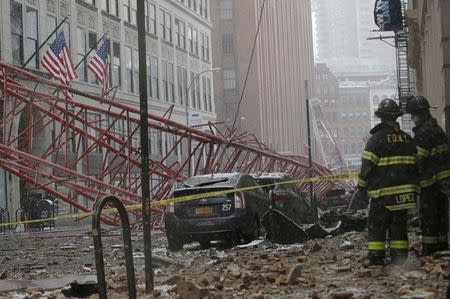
(216, 180)
(270, 175)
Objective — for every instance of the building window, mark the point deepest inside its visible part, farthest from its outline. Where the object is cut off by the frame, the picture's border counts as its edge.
(51, 26)
(31, 42)
(166, 25)
(149, 76)
(155, 78)
(116, 81)
(209, 92)
(136, 71)
(193, 93)
(92, 40)
(205, 46)
(205, 94)
(193, 40)
(180, 88)
(230, 110)
(16, 32)
(194, 5)
(205, 9)
(229, 78)
(150, 17)
(111, 6)
(226, 9)
(180, 29)
(129, 11)
(197, 90)
(129, 69)
(189, 36)
(185, 86)
(82, 47)
(171, 79)
(165, 81)
(227, 43)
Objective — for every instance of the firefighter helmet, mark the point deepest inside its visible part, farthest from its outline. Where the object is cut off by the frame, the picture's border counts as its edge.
(388, 108)
(417, 104)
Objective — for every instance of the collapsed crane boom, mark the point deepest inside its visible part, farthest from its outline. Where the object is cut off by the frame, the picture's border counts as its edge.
(83, 146)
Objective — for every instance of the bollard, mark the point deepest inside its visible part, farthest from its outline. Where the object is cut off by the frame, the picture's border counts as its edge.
(22, 217)
(96, 234)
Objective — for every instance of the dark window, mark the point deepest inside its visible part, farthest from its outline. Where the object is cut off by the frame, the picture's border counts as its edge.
(185, 85)
(155, 77)
(192, 85)
(166, 25)
(116, 80)
(180, 30)
(227, 43)
(205, 94)
(92, 44)
(129, 69)
(129, 11)
(150, 18)
(226, 9)
(31, 42)
(171, 79)
(16, 32)
(82, 46)
(180, 85)
(111, 6)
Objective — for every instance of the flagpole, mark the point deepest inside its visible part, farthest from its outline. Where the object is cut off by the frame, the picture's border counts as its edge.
(90, 50)
(43, 43)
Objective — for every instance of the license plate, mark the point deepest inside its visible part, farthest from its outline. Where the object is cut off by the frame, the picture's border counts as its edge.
(203, 211)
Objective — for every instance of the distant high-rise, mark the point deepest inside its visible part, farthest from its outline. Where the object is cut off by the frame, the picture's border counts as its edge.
(273, 106)
(342, 28)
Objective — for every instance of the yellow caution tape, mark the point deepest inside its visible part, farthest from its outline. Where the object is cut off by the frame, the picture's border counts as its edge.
(167, 201)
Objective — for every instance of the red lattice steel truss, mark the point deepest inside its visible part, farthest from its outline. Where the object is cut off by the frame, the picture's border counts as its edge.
(83, 147)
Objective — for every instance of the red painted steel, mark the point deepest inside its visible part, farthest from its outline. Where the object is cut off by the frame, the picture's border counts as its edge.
(81, 149)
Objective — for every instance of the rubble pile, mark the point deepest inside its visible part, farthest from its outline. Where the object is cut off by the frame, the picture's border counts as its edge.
(320, 268)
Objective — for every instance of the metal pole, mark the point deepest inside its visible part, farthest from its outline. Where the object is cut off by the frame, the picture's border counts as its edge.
(310, 172)
(145, 172)
(187, 114)
(43, 43)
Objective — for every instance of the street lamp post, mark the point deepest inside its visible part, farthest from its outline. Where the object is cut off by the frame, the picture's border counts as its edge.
(189, 90)
(187, 111)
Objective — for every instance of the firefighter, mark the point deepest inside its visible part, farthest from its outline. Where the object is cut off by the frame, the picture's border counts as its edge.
(434, 171)
(389, 178)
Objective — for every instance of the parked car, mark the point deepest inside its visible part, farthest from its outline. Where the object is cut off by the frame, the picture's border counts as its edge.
(286, 197)
(229, 217)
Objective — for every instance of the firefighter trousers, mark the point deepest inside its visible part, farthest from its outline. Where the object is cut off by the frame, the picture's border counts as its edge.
(434, 219)
(382, 220)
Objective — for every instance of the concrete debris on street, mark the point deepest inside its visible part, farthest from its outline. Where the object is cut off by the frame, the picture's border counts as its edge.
(319, 268)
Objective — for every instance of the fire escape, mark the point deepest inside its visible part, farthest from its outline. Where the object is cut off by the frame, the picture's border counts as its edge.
(405, 86)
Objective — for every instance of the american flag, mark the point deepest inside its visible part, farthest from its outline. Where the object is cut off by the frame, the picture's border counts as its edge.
(99, 65)
(58, 61)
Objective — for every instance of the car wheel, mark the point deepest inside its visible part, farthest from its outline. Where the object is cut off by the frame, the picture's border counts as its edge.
(256, 231)
(205, 243)
(175, 244)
